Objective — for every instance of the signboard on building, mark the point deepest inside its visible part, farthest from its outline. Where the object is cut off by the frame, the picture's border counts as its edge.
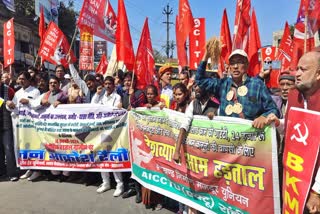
(100, 48)
(28, 58)
(86, 51)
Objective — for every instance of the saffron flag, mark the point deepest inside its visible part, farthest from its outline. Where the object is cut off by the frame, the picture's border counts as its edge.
(285, 49)
(241, 24)
(225, 41)
(42, 25)
(145, 66)
(8, 43)
(55, 46)
(197, 42)
(91, 20)
(103, 65)
(181, 46)
(123, 38)
(254, 46)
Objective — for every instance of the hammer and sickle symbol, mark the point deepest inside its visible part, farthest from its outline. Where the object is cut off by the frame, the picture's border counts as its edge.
(301, 138)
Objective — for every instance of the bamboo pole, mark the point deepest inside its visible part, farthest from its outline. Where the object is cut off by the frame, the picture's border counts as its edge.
(10, 71)
(1, 67)
(305, 32)
(72, 41)
(35, 61)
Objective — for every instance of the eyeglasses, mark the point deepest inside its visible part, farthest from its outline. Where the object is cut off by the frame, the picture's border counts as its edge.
(53, 83)
(237, 61)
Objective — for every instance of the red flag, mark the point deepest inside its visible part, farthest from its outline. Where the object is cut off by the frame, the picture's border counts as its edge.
(55, 46)
(313, 14)
(285, 49)
(123, 38)
(309, 9)
(8, 43)
(197, 42)
(185, 19)
(225, 41)
(254, 46)
(269, 54)
(181, 46)
(145, 65)
(103, 65)
(91, 20)
(42, 25)
(241, 24)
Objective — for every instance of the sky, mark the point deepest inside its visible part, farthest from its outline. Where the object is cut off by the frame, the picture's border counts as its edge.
(271, 16)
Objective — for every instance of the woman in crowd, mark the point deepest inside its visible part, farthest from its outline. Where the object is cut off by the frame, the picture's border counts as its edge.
(149, 198)
(181, 99)
(152, 96)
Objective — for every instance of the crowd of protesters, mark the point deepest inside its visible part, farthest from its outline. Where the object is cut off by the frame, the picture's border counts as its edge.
(235, 95)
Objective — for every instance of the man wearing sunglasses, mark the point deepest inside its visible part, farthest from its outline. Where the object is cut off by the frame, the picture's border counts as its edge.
(240, 96)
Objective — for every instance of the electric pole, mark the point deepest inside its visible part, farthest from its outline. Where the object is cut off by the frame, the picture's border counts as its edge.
(172, 46)
(167, 11)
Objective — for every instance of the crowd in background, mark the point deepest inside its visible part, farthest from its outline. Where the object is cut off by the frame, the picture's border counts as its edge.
(235, 95)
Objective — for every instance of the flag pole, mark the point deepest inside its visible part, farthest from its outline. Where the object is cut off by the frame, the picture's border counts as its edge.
(35, 61)
(262, 61)
(107, 66)
(305, 32)
(10, 71)
(115, 68)
(72, 41)
(234, 37)
(1, 67)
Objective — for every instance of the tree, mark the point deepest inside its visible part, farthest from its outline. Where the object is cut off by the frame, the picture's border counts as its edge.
(24, 8)
(67, 18)
(25, 11)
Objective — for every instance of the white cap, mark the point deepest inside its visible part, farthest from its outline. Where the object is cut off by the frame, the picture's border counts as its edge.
(67, 76)
(239, 52)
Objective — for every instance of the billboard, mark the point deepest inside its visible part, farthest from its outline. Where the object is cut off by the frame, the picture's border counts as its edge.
(100, 47)
(50, 9)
